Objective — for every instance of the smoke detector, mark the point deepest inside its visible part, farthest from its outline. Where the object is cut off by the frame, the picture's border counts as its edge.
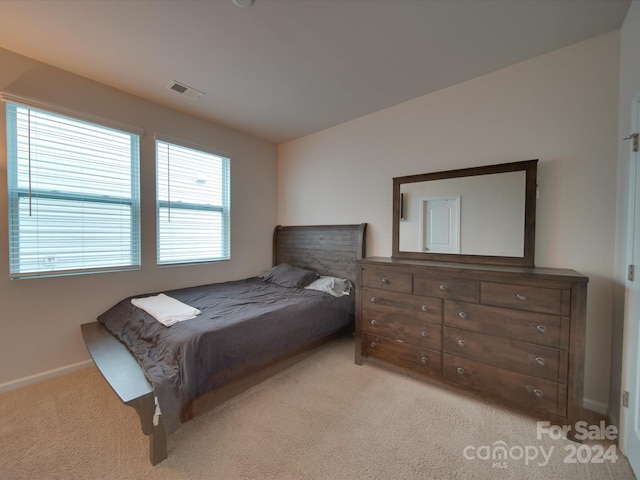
(192, 93)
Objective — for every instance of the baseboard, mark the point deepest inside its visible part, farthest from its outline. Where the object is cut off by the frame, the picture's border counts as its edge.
(40, 377)
(597, 407)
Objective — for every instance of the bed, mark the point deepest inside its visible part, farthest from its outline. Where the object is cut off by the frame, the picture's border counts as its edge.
(170, 374)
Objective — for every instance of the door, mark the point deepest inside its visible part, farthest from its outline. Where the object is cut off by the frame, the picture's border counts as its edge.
(440, 232)
(630, 416)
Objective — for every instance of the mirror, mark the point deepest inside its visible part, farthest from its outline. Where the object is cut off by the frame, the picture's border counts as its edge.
(480, 215)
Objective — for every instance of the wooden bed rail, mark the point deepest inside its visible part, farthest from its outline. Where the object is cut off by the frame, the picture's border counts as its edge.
(125, 376)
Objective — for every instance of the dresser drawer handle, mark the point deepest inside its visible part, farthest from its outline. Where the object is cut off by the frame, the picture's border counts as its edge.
(444, 288)
(425, 333)
(540, 361)
(374, 344)
(462, 343)
(374, 300)
(374, 322)
(424, 360)
(385, 280)
(463, 315)
(460, 370)
(425, 308)
(538, 393)
(521, 296)
(541, 329)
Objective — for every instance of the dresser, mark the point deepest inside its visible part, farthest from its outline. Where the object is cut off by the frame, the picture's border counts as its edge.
(513, 335)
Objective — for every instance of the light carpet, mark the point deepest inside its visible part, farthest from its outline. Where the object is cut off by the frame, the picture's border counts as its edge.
(325, 418)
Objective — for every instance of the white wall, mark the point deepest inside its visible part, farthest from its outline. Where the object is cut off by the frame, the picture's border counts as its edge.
(629, 95)
(40, 318)
(560, 108)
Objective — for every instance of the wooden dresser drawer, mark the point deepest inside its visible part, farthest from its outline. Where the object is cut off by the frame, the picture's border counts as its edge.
(421, 360)
(386, 280)
(527, 358)
(399, 327)
(534, 299)
(522, 391)
(409, 306)
(447, 287)
(542, 329)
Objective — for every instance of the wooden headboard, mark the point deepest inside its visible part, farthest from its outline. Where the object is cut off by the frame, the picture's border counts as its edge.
(327, 249)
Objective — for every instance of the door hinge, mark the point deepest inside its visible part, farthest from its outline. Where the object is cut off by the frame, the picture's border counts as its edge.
(625, 399)
(634, 138)
(631, 273)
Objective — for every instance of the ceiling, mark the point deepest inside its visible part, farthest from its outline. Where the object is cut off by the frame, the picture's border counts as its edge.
(282, 69)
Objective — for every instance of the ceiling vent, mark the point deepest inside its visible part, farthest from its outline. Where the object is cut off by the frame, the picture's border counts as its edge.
(192, 93)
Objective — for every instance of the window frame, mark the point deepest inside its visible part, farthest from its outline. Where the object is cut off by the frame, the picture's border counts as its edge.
(16, 193)
(224, 209)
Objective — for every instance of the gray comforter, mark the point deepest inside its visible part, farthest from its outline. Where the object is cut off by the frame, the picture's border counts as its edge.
(244, 325)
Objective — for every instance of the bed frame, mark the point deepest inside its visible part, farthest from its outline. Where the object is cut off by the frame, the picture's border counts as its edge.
(328, 249)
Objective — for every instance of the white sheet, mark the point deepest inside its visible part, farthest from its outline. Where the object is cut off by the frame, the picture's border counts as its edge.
(165, 309)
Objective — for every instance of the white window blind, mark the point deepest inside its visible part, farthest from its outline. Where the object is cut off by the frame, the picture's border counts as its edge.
(193, 204)
(73, 190)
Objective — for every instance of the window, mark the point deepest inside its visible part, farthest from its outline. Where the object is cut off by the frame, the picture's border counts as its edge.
(73, 195)
(193, 204)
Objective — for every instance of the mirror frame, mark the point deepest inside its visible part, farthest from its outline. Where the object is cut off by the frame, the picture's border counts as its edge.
(530, 167)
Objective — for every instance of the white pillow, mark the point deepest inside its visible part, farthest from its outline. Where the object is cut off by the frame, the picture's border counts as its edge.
(332, 285)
